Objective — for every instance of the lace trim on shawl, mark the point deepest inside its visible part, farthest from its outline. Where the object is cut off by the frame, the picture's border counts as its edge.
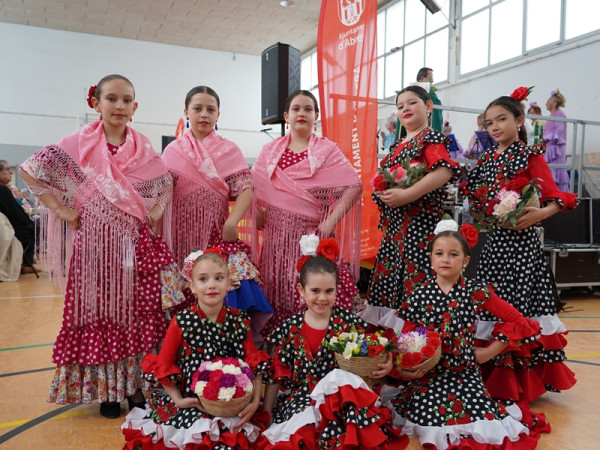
(239, 182)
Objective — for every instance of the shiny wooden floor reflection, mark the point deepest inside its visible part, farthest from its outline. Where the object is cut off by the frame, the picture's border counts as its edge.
(30, 318)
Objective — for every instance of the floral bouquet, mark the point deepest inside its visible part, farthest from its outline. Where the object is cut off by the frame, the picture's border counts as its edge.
(399, 176)
(224, 386)
(358, 352)
(418, 349)
(512, 198)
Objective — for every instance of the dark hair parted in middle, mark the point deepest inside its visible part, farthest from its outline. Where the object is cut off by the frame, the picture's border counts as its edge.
(295, 94)
(318, 264)
(201, 90)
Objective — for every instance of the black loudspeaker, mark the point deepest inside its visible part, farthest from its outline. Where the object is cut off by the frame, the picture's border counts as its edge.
(166, 140)
(280, 77)
(573, 227)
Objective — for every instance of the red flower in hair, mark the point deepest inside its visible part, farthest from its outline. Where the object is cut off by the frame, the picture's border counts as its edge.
(521, 93)
(328, 248)
(470, 233)
(91, 92)
(301, 262)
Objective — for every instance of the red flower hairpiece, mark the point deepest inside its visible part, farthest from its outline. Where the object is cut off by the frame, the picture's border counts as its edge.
(327, 248)
(521, 93)
(91, 92)
(470, 233)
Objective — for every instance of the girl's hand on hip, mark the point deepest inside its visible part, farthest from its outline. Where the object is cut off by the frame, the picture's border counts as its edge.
(71, 216)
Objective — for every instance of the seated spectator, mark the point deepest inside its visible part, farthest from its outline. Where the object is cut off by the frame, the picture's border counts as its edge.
(11, 252)
(21, 222)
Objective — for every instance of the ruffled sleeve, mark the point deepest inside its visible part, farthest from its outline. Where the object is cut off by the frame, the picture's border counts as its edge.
(538, 169)
(514, 328)
(162, 366)
(436, 155)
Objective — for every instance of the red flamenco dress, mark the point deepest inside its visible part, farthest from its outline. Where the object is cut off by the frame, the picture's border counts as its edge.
(193, 338)
(449, 407)
(514, 261)
(320, 406)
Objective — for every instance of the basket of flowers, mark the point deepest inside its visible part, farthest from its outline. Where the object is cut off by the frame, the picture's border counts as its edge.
(358, 352)
(224, 386)
(418, 349)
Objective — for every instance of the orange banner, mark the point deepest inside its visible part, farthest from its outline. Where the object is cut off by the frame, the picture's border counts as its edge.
(347, 58)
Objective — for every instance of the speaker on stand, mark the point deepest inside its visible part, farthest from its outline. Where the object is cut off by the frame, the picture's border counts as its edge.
(280, 70)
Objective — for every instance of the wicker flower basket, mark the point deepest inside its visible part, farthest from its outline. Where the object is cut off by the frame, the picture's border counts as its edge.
(430, 363)
(363, 366)
(220, 408)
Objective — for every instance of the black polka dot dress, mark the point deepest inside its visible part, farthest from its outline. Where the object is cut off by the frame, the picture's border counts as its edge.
(402, 262)
(450, 405)
(514, 261)
(193, 338)
(299, 372)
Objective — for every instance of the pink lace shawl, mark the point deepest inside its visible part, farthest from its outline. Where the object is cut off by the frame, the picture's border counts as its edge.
(326, 168)
(202, 191)
(207, 163)
(113, 175)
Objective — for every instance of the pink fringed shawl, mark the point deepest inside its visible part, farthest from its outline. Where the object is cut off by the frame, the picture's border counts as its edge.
(113, 175)
(201, 194)
(306, 192)
(113, 195)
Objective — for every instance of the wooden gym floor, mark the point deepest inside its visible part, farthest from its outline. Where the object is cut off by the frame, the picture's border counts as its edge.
(30, 318)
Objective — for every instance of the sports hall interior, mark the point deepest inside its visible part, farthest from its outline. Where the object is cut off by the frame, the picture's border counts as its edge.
(479, 49)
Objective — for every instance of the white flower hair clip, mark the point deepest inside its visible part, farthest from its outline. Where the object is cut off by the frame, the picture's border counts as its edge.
(445, 225)
(188, 263)
(309, 244)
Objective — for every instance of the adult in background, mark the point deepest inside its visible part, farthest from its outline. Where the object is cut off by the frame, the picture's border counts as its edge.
(21, 222)
(425, 80)
(555, 137)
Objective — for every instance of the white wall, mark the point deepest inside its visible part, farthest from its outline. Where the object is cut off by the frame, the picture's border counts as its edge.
(46, 74)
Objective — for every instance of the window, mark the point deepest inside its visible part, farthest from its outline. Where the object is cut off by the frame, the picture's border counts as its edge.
(494, 31)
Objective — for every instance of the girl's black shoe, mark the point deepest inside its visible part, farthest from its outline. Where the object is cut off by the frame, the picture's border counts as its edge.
(139, 404)
(110, 410)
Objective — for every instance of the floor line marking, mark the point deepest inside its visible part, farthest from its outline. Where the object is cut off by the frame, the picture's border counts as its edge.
(26, 372)
(583, 355)
(24, 347)
(33, 422)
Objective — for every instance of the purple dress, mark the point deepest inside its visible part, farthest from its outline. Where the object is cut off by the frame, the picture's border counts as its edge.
(555, 137)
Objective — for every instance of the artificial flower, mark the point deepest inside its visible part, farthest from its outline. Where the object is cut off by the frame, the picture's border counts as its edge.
(309, 244)
(91, 92)
(328, 248)
(521, 93)
(415, 347)
(223, 379)
(470, 233)
(445, 225)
